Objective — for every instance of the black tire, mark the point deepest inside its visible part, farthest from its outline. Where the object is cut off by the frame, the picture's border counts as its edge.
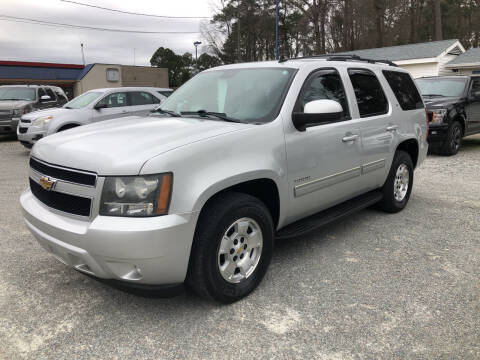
(454, 140)
(389, 202)
(204, 275)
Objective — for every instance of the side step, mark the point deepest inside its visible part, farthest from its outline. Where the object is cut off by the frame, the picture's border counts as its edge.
(315, 221)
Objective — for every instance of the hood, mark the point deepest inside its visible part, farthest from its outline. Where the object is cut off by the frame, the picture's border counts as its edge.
(440, 102)
(14, 104)
(122, 146)
(53, 111)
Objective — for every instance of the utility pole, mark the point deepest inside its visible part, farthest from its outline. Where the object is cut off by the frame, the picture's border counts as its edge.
(238, 39)
(133, 56)
(83, 55)
(196, 43)
(276, 29)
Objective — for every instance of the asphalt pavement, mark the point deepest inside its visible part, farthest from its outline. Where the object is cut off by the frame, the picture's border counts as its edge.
(376, 285)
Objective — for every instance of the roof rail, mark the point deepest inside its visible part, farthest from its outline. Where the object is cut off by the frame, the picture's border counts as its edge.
(340, 57)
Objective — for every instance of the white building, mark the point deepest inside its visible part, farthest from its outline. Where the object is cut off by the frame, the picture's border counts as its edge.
(466, 64)
(422, 59)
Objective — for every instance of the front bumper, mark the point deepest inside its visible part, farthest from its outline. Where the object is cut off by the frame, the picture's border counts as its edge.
(437, 134)
(29, 135)
(8, 126)
(151, 251)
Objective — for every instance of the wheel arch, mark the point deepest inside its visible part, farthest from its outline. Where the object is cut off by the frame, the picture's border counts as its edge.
(263, 188)
(67, 126)
(411, 147)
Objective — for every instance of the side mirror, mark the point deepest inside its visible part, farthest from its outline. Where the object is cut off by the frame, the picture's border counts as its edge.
(317, 112)
(100, 105)
(45, 98)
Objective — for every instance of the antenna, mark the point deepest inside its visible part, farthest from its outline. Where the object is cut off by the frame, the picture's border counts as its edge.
(133, 56)
(83, 54)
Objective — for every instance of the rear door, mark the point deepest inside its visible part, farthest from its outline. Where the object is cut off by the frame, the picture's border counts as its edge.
(378, 128)
(116, 105)
(473, 107)
(142, 102)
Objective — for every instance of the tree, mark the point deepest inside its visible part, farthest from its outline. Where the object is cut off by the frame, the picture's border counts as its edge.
(207, 61)
(179, 66)
(438, 19)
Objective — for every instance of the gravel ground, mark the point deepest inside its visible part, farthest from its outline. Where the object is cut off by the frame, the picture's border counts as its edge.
(374, 286)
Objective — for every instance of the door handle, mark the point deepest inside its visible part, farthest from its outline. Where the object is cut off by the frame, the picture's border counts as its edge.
(350, 138)
(392, 128)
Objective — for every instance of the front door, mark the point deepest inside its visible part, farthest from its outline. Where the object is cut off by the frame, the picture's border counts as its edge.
(115, 105)
(323, 161)
(142, 102)
(473, 108)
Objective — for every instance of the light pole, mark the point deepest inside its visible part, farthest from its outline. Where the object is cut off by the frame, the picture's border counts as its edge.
(276, 30)
(196, 43)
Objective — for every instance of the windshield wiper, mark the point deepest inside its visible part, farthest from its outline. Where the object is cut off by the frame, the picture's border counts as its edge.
(205, 113)
(13, 99)
(169, 112)
(433, 95)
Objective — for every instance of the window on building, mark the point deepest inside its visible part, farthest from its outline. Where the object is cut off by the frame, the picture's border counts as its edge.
(370, 97)
(113, 75)
(50, 93)
(323, 85)
(404, 89)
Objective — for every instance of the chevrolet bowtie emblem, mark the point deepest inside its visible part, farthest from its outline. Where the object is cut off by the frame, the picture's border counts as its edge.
(47, 183)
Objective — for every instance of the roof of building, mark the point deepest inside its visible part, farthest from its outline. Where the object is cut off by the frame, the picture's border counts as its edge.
(406, 52)
(471, 56)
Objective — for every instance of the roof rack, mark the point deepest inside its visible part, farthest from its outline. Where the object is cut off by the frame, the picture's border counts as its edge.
(340, 57)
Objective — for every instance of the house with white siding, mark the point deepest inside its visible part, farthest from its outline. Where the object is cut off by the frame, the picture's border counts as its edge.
(421, 59)
(466, 64)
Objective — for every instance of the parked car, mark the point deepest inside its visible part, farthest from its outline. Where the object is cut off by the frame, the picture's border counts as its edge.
(92, 106)
(16, 100)
(453, 105)
(243, 154)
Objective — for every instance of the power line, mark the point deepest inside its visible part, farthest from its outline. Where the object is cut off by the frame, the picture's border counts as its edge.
(135, 13)
(83, 27)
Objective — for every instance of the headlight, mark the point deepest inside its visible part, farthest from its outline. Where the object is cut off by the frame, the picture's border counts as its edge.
(17, 112)
(142, 196)
(439, 115)
(42, 121)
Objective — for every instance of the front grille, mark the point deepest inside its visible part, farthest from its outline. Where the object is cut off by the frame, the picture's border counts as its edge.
(430, 117)
(25, 121)
(5, 115)
(71, 204)
(22, 130)
(74, 176)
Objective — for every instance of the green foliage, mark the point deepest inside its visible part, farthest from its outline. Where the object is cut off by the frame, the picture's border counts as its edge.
(181, 67)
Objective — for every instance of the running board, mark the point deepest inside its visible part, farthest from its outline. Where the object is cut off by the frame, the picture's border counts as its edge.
(337, 212)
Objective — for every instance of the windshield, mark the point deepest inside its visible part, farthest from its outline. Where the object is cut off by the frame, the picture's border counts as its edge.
(251, 95)
(82, 100)
(14, 93)
(442, 87)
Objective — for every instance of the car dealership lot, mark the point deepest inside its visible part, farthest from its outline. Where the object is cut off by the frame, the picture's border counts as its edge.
(376, 285)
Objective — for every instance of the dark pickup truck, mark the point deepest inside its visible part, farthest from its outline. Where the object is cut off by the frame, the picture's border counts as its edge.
(453, 107)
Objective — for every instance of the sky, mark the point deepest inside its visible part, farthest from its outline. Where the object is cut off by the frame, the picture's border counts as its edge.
(21, 41)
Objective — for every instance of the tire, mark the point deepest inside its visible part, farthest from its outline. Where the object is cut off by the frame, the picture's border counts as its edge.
(395, 195)
(212, 237)
(454, 140)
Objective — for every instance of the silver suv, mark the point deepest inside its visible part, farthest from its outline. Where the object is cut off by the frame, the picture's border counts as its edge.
(16, 100)
(238, 156)
(92, 106)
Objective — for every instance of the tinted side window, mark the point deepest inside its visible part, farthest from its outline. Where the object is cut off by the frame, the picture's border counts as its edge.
(41, 92)
(142, 98)
(475, 85)
(371, 99)
(115, 100)
(323, 85)
(51, 94)
(404, 89)
(61, 98)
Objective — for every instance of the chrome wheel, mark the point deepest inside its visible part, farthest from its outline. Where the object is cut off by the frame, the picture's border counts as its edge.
(456, 139)
(400, 185)
(240, 250)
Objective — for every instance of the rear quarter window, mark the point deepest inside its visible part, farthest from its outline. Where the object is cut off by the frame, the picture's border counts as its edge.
(404, 89)
(371, 99)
